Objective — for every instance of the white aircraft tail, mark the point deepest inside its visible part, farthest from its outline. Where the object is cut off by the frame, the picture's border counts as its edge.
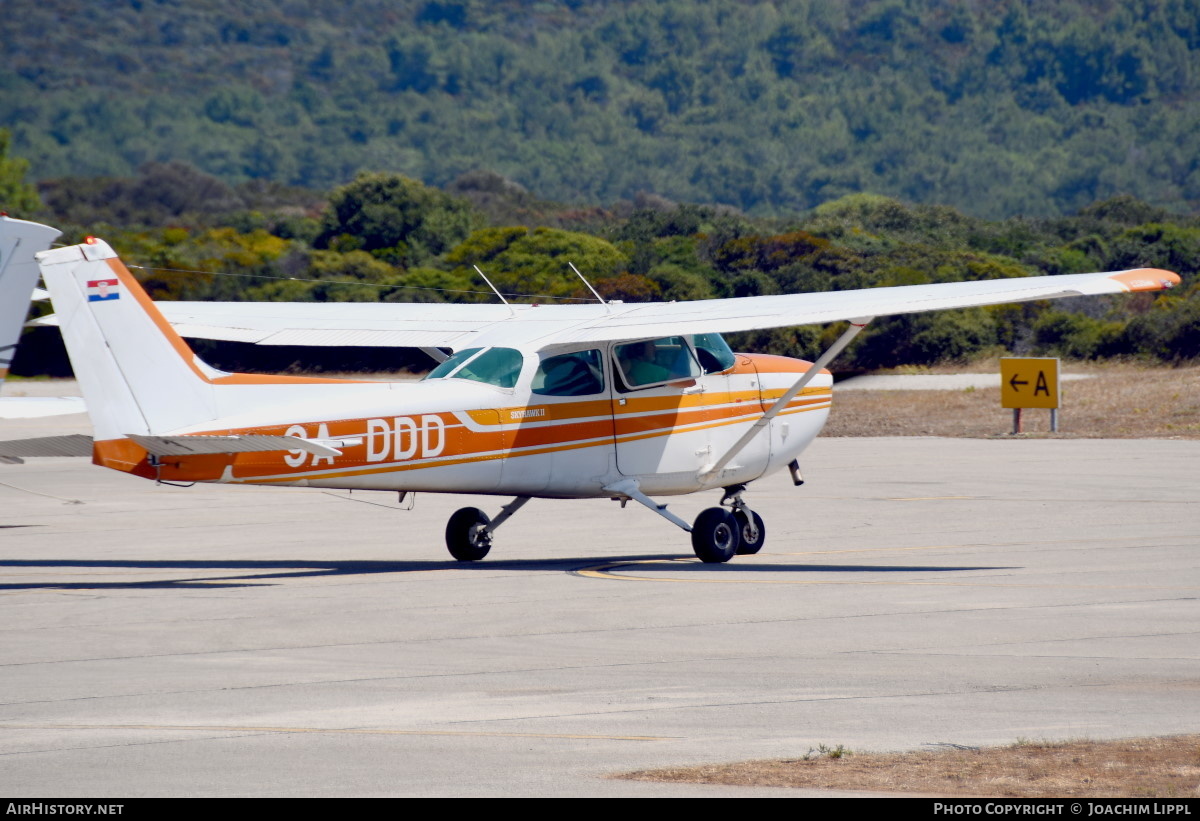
(137, 374)
(19, 242)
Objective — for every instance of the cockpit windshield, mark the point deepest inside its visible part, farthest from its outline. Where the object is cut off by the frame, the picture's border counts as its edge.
(714, 352)
(494, 366)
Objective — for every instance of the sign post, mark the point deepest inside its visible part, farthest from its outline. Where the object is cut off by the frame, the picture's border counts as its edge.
(1029, 383)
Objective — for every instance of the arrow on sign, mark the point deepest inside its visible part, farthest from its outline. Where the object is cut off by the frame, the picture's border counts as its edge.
(1014, 382)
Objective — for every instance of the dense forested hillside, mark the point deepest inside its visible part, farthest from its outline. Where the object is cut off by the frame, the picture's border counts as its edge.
(994, 108)
(379, 149)
(385, 237)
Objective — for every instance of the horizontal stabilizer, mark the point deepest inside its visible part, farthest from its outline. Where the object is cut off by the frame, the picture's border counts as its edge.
(195, 445)
(76, 444)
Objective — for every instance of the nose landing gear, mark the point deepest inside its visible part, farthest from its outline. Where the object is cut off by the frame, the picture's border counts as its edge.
(716, 535)
(719, 534)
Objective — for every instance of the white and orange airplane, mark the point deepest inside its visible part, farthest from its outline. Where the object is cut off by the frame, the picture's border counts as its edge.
(615, 401)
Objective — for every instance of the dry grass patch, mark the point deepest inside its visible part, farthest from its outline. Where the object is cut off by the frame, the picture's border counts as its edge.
(1139, 768)
(1121, 402)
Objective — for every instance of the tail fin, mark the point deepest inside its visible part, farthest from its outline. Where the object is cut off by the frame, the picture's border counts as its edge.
(19, 241)
(137, 374)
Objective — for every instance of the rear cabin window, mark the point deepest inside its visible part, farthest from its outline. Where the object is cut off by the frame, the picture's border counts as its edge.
(570, 374)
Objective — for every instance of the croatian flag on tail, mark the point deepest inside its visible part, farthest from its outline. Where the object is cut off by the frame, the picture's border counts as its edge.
(100, 290)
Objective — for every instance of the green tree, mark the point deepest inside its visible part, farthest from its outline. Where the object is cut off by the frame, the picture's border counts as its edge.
(397, 219)
(1170, 331)
(1076, 335)
(534, 263)
(924, 338)
(17, 197)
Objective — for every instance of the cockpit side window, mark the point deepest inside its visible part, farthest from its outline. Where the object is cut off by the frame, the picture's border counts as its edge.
(494, 366)
(570, 374)
(656, 361)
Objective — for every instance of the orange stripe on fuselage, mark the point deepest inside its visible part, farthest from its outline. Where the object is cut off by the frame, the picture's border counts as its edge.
(666, 432)
(465, 457)
(534, 413)
(649, 417)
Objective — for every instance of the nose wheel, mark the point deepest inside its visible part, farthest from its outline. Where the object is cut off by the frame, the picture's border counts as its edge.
(719, 533)
(716, 535)
(752, 531)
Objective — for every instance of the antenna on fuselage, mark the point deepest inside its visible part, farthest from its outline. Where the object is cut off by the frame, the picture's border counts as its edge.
(495, 290)
(590, 288)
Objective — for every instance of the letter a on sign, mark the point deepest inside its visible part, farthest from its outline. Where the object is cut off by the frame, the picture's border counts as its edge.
(1028, 383)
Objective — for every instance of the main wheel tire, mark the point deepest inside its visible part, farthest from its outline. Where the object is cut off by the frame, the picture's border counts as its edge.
(750, 542)
(465, 535)
(715, 535)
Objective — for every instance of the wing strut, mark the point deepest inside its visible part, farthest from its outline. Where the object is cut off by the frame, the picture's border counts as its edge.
(856, 325)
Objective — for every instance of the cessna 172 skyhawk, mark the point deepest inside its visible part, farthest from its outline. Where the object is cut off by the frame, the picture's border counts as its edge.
(621, 401)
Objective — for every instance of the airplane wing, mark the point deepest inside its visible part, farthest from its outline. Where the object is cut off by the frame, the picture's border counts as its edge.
(335, 324)
(783, 310)
(455, 326)
(542, 326)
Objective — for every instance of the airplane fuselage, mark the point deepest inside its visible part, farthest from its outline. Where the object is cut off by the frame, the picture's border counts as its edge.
(460, 436)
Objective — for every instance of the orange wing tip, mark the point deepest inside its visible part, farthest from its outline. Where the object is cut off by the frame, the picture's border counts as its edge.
(1147, 279)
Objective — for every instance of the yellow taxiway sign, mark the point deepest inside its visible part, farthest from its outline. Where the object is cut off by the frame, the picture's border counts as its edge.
(1028, 383)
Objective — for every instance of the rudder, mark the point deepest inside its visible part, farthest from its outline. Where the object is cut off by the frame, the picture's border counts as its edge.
(137, 374)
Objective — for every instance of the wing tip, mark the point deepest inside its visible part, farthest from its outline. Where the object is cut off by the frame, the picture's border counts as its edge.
(1147, 279)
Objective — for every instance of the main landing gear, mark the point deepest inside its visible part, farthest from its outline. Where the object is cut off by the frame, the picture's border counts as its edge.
(719, 534)
(467, 534)
(469, 531)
